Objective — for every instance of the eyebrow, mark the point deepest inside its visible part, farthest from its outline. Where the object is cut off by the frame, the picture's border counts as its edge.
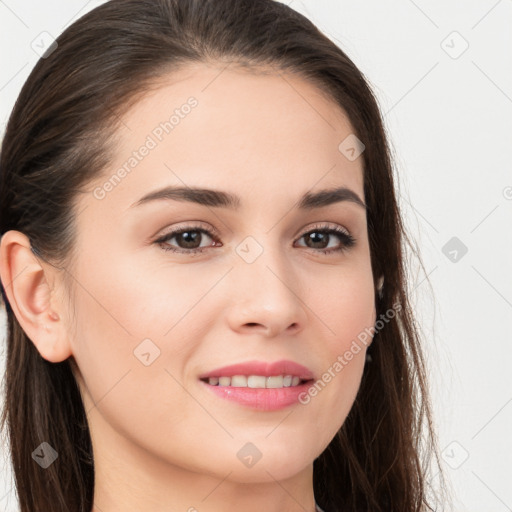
(221, 199)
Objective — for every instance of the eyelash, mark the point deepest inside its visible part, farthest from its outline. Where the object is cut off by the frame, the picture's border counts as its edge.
(347, 239)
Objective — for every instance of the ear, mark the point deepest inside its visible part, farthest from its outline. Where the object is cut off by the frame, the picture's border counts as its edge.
(28, 285)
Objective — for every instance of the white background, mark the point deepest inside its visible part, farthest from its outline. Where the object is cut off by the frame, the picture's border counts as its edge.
(449, 116)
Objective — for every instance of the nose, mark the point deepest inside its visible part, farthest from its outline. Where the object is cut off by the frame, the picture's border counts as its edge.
(266, 297)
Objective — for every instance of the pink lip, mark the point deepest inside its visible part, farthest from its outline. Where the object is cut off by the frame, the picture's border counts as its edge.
(268, 399)
(261, 399)
(267, 369)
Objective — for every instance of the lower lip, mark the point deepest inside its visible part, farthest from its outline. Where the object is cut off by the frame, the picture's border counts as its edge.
(262, 399)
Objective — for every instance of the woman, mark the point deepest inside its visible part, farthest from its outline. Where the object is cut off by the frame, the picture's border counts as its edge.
(202, 265)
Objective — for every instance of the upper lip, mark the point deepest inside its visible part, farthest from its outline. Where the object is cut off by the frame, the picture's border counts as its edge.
(264, 368)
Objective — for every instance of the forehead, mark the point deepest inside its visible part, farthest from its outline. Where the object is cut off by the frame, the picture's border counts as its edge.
(225, 127)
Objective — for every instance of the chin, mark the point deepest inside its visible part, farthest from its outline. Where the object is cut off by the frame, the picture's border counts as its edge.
(269, 471)
(278, 461)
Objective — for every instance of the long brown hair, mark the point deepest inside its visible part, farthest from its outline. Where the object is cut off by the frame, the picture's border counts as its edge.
(59, 138)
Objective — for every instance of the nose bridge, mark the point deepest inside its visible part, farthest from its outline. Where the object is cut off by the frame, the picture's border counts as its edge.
(263, 263)
(267, 289)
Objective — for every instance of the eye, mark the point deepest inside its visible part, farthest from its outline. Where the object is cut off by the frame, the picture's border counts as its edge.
(323, 234)
(189, 239)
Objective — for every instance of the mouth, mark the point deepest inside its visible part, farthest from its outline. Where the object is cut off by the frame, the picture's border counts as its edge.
(259, 385)
(256, 381)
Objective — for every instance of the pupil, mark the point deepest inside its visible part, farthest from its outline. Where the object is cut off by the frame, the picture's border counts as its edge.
(322, 237)
(191, 238)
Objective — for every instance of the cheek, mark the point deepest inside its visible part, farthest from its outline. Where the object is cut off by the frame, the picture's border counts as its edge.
(120, 307)
(131, 369)
(147, 405)
(132, 326)
(344, 306)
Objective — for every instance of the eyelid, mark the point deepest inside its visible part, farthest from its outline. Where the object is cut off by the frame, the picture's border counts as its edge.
(190, 225)
(323, 225)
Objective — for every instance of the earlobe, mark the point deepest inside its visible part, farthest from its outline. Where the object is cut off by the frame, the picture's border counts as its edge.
(26, 281)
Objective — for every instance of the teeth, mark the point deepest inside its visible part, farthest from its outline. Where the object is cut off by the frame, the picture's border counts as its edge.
(255, 381)
(239, 381)
(275, 382)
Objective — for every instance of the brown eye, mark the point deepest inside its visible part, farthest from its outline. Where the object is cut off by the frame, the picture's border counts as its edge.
(320, 238)
(188, 240)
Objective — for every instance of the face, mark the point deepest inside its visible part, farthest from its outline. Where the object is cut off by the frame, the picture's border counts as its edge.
(262, 279)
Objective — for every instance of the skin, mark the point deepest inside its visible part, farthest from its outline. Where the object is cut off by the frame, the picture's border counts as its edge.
(161, 441)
